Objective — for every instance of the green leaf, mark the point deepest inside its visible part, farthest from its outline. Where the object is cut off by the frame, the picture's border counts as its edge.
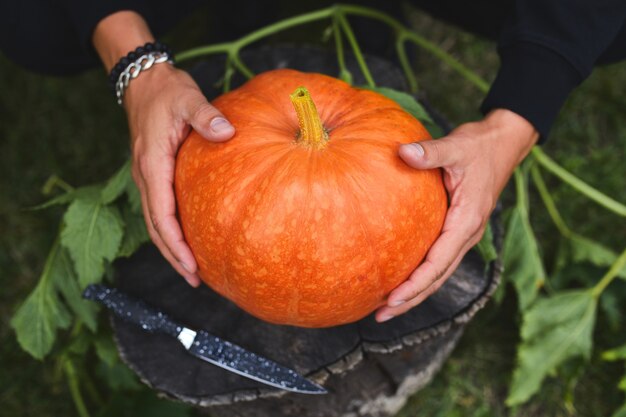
(554, 330)
(486, 247)
(66, 283)
(521, 258)
(106, 349)
(80, 343)
(411, 106)
(616, 354)
(135, 233)
(92, 234)
(118, 377)
(117, 184)
(622, 411)
(134, 198)
(587, 250)
(39, 317)
(406, 101)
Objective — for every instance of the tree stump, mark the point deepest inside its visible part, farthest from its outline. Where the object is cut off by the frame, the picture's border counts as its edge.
(369, 369)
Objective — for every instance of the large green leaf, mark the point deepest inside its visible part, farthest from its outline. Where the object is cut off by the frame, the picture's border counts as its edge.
(587, 250)
(135, 233)
(106, 349)
(134, 198)
(411, 106)
(554, 330)
(65, 282)
(486, 247)
(92, 234)
(621, 412)
(39, 317)
(520, 253)
(117, 376)
(117, 184)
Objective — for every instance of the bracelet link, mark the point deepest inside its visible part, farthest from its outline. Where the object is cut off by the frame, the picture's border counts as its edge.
(132, 71)
(131, 65)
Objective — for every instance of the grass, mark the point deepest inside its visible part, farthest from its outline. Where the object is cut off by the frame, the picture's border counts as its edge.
(72, 128)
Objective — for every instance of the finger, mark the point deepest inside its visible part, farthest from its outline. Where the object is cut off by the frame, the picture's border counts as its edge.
(162, 207)
(430, 154)
(192, 279)
(457, 231)
(386, 313)
(208, 121)
(159, 209)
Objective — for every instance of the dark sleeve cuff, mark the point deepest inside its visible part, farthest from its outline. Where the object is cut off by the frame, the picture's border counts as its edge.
(533, 81)
(85, 15)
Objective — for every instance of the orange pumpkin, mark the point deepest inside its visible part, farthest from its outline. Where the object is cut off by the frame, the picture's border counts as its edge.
(307, 218)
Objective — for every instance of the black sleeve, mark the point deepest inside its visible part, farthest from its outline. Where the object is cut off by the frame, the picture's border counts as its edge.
(85, 15)
(547, 48)
(161, 15)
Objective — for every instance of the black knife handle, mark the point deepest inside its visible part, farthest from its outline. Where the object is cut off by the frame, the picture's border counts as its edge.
(132, 310)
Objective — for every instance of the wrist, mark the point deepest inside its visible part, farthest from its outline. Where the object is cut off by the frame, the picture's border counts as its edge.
(118, 34)
(511, 130)
(153, 80)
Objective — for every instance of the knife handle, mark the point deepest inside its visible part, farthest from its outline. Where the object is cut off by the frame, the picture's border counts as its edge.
(132, 310)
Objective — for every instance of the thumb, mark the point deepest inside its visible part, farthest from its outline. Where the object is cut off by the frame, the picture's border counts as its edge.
(428, 154)
(210, 123)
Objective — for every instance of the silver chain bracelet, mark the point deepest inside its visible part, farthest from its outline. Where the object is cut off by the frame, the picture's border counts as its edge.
(133, 70)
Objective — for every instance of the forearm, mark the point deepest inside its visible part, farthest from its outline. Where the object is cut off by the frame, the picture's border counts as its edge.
(118, 34)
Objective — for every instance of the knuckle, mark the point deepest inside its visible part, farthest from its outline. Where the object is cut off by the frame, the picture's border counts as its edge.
(156, 222)
(439, 273)
(143, 162)
(205, 112)
(475, 223)
(435, 150)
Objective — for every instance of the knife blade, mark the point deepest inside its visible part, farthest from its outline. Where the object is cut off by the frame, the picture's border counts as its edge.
(201, 343)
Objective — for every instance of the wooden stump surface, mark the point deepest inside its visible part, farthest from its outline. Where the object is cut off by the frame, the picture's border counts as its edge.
(162, 362)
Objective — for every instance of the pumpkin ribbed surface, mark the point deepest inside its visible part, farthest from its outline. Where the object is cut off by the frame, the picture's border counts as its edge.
(305, 233)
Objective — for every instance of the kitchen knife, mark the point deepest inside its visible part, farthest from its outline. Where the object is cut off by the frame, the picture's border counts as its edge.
(201, 343)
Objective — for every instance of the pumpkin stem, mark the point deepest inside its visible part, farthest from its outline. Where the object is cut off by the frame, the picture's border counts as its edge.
(312, 133)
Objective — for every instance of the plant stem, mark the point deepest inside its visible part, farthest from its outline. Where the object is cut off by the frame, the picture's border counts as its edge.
(356, 50)
(233, 48)
(344, 74)
(284, 24)
(72, 380)
(312, 133)
(420, 41)
(549, 203)
(578, 184)
(520, 189)
(404, 63)
(219, 48)
(610, 275)
(238, 63)
(56, 181)
(228, 75)
(91, 389)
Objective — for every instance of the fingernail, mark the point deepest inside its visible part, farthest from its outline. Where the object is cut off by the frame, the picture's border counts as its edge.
(385, 317)
(396, 303)
(220, 125)
(417, 150)
(184, 265)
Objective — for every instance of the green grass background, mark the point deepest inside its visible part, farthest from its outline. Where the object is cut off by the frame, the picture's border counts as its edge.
(72, 127)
